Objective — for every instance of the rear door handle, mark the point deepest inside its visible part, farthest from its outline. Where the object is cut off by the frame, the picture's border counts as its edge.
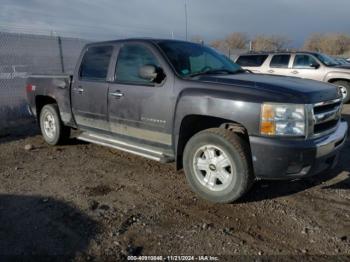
(295, 72)
(271, 71)
(117, 94)
(78, 90)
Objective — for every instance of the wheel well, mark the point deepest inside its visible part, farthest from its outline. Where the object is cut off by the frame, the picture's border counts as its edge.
(338, 79)
(41, 101)
(193, 124)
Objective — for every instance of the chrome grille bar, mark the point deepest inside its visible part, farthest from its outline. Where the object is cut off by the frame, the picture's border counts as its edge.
(326, 117)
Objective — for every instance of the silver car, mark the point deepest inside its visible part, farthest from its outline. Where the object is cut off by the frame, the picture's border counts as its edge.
(309, 65)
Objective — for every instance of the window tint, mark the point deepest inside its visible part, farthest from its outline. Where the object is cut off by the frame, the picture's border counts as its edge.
(131, 58)
(251, 60)
(304, 61)
(95, 63)
(280, 61)
(205, 60)
(190, 58)
(327, 60)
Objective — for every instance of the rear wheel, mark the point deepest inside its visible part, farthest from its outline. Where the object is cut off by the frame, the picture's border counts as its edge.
(217, 165)
(52, 128)
(345, 90)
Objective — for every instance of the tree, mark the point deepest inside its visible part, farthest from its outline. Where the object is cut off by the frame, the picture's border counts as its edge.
(269, 43)
(313, 42)
(233, 41)
(330, 43)
(237, 41)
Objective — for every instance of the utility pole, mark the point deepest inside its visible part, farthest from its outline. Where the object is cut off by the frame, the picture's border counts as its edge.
(186, 20)
(60, 53)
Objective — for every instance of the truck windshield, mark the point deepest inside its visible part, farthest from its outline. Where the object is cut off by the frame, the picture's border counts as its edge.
(325, 59)
(190, 59)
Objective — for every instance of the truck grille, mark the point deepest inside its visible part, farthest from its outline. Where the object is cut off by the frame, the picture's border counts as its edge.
(326, 116)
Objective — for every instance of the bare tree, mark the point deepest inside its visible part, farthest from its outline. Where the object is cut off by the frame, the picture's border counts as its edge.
(269, 43)
(331, 43)
(313, 42)
(237, 41)
(233, 41)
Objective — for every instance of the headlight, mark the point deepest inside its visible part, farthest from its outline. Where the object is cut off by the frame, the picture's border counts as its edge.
(282, 120)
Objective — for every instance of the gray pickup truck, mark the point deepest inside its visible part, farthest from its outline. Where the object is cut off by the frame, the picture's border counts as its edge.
(177, 101)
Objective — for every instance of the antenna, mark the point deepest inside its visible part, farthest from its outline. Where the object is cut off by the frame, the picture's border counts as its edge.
(186, 20)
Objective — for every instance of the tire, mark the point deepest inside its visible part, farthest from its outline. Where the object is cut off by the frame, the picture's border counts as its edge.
(345, 87)
(51, 126)
(227, 175)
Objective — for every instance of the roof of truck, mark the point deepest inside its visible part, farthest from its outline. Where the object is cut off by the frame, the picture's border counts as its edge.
(142, 39)
(279, 52)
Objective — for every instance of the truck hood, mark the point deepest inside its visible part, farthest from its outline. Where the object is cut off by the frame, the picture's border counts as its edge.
(346, 67)
(278, 88)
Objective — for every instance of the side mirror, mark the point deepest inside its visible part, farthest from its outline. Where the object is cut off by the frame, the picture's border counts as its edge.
(315, 65)
(148, 72)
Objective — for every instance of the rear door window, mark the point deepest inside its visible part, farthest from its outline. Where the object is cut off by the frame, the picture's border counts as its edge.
(280, 61)
(251, 60)
(95, 63)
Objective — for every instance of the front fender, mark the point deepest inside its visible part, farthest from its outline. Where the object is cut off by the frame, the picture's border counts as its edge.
(220, 104)
(336, 75)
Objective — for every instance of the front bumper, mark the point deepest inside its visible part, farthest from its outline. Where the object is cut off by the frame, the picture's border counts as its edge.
(289, 159)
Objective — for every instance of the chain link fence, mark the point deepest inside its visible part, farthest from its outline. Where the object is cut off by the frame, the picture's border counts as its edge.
(25, 54)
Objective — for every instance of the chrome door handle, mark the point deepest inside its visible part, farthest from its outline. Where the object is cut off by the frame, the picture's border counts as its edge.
(78, 90)
(295, 72)
(270, 71)
(117, 94)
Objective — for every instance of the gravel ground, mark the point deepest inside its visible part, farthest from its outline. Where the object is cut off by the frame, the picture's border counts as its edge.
(84, 201)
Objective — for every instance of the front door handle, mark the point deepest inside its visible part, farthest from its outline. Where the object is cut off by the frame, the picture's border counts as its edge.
(295, 72)
(271, 71)
(117, 94)
(78, 90)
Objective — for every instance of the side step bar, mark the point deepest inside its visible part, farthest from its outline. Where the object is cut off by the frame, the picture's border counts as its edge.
(150, 153)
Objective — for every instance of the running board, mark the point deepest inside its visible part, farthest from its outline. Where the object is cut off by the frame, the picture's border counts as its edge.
(147, 152)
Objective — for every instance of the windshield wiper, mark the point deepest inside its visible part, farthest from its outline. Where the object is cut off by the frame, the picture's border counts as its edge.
(217, 71)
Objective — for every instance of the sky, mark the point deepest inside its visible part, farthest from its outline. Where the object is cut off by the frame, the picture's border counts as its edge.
(209, 19)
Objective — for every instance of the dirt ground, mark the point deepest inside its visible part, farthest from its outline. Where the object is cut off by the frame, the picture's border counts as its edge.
(85, 202)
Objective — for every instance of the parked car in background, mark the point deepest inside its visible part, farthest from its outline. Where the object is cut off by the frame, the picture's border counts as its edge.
(309, 65)
(342, 61)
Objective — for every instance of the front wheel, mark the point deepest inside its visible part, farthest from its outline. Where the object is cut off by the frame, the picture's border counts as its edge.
(217, 165)
(345, 90)
(52, 128)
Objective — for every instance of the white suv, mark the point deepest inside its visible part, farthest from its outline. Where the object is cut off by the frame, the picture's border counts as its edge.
(308, 65)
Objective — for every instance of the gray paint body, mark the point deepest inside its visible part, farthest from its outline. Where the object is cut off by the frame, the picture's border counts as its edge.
(152, 115)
